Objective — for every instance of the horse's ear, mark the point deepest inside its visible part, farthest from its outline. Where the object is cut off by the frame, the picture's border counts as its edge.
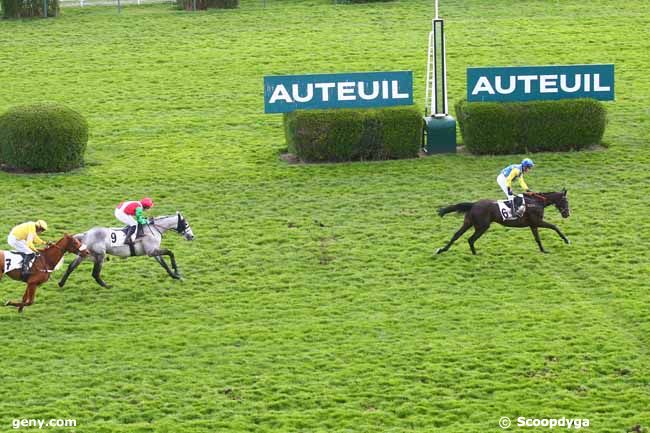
(564, 191)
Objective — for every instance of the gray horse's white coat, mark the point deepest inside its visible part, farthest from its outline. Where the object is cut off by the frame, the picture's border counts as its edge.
(99, 243)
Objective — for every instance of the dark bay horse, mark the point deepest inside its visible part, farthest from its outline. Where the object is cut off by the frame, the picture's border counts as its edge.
(42, 267)
(484, 212)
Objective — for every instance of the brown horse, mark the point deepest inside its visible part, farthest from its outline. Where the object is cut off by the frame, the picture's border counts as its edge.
(484, 212)
(42, 267)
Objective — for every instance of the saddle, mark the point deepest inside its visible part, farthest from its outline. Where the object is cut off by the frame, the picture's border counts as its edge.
(506, 206)
(128, 231)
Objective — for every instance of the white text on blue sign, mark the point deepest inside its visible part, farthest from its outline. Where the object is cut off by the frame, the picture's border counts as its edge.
(528, 83)
(283, 94)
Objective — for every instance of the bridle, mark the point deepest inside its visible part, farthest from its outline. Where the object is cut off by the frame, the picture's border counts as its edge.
(182, 227)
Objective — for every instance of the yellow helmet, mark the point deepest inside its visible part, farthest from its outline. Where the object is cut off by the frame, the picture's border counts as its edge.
(42, 224)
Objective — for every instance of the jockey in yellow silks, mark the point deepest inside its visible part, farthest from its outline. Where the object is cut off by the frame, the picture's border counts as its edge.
(508, 175)
(24, 237)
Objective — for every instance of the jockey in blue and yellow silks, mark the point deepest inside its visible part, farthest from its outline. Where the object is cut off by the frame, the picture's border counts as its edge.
(509, 174)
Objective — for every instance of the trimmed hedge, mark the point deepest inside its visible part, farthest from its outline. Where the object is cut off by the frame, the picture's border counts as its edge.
(28, 8)
(522, 127)
(207, 4)
(352, 135)
(42, 137)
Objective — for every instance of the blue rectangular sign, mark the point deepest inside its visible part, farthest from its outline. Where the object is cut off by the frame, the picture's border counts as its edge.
(287, 93)
(528, 83)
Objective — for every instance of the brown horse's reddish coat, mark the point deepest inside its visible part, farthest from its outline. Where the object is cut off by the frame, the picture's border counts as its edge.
(41, 268)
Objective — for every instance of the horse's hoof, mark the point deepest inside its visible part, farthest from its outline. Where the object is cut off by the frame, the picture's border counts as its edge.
(8, 304)
(566, 241)
(439, 251)
(61, 284)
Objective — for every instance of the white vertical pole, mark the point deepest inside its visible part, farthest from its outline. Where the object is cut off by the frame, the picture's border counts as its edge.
(434, 73)
(436, 9)
(427, 102)
(444, 72)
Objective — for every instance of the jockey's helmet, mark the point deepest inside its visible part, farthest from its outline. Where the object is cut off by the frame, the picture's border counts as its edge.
(40, 224)
(527, 163)
(146, 202)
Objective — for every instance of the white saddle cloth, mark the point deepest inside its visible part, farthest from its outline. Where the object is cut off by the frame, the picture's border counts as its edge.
(505, 210)
(12, 261)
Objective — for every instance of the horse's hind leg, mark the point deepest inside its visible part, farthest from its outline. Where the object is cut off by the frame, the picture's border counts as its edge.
(28, 298)
(70, 269)
(97, 270)
(459, 233)
(477, 234)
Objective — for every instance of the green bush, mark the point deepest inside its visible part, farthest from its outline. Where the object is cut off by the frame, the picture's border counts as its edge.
(28, 8)
(207, 4)
(352, 135)
(522, 127)
(42, 137)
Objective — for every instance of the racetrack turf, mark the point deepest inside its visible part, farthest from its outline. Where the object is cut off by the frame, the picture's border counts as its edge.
(312, 301)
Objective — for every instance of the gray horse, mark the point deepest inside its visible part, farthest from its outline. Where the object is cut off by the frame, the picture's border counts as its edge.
(103, 240)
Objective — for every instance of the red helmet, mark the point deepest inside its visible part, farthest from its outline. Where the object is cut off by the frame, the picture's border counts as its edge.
(146, 202)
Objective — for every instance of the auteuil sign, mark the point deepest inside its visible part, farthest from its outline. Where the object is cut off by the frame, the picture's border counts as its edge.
(287, 93)
(528, 83)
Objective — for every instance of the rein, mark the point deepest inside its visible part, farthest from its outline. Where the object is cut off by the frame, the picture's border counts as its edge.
(539, 196)
(43, 255)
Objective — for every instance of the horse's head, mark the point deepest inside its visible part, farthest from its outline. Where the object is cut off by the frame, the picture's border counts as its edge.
(73, 245)
(183, 227)
(562, 203)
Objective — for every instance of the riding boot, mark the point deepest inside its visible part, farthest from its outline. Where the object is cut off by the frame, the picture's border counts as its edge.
(130, 235)
(136, 231)
(513, 209)
(24, 272)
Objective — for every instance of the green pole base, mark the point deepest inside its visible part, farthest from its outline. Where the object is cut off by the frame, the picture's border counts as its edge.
(440, 135)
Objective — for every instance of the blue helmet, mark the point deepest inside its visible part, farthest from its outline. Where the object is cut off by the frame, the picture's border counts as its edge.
(527, 163)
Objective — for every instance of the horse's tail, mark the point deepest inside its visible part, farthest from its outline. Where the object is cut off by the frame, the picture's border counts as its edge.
(460, 208)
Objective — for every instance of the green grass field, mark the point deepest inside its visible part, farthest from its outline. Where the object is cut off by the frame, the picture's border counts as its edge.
(312, 301)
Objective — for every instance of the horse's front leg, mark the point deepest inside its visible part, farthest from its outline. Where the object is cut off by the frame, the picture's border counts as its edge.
(163, 263)
(548, 225)
(70, 269)
(537, 239)
(166, 252)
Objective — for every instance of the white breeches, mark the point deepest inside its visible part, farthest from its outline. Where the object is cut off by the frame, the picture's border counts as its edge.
(501, 180)
(18, 245)
(126, 219)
